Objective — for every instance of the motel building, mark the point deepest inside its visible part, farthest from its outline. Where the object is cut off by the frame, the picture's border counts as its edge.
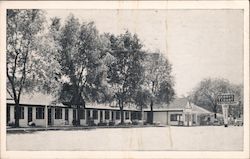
(41, 110)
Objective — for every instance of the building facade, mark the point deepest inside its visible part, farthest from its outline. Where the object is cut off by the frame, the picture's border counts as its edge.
(44, 114)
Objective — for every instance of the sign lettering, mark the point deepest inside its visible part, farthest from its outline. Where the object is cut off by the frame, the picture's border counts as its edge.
(225, 99)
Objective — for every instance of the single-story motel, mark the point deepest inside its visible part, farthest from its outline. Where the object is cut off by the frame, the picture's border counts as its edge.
(40, 110)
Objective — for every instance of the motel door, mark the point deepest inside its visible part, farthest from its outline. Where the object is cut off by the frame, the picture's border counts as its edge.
(66, 114)
(74, 114)
(101, 116)
(149, 116)
(88, 116)
(113, 116)
(8, 114)
(49, 116)
(29, 114)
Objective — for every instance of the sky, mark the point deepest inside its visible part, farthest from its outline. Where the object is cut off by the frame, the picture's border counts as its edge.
(198, 43)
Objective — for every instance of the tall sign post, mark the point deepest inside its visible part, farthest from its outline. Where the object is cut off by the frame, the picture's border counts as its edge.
(225, 100)
(225, 113)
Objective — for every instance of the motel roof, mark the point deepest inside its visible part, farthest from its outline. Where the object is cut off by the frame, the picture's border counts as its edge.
(39, 99)
(34, 99)
(199, 110)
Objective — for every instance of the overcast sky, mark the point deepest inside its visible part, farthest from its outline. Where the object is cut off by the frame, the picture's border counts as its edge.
(199, 43)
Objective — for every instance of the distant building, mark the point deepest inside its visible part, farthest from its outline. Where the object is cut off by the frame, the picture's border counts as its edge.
(41, 110)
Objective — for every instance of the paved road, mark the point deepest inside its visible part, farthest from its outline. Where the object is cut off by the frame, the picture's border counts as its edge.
(150, 138)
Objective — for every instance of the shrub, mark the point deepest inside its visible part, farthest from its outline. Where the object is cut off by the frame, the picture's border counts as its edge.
(135, 122)
(91, 122)
(74, 122)
(111, 123)
(32, 124)
(102, 124)
(11, 124)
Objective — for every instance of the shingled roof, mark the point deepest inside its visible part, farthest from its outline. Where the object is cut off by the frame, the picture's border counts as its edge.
(46, 99)
(34, 99)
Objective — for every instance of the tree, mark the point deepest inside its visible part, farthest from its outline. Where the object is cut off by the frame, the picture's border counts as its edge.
(142, 99)
(125, 71)
(237, 110)
(79, 51)
(24, 69)
(158, 80)
(206, 92)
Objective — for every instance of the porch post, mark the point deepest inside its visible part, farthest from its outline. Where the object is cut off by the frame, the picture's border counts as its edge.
(103, 115)
(46, 116)
(91, 113)
(110, 115)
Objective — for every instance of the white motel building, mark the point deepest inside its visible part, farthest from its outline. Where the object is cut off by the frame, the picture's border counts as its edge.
(39, 109)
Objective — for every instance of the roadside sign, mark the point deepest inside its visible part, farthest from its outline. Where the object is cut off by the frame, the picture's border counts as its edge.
(225, 113)
(225, 99)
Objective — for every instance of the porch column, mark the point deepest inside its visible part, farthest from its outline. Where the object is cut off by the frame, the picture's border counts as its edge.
(98, 115)
(12, 113)
(142, 117)
(85, 115)
(46, 116)
(63, 115)
(124, 115)
(114, 115)
(91, 113)
(52, 115)
(103, 115)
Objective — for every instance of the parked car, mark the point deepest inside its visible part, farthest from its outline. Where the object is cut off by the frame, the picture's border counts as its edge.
(238, 122)
(217, 122)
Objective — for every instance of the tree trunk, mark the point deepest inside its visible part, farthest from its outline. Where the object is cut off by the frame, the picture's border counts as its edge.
(141, 114)
(17, 114)
(121, 110)
(215, 111)
(151, 118)
(78, 116)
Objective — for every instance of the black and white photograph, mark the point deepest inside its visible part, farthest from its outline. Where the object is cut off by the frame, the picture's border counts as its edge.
(125, 79)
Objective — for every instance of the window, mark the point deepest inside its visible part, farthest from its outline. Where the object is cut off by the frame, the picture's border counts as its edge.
(187, 117)
(173, 117)
(193, 119)
(82, 114)
(139, 115)
(106, 114)
(136, 115)
(112, 115)
(8, 114)
(117, 115)
(126, 115)
(101, 115)
(58, 113)
(39, 113)
(66, 114)
(88, 114)
(95, 114)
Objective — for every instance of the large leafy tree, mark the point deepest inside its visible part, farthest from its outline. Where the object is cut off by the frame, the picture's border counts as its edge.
(25, 71)
(79, 51)
(206, 92)
(142, 99)
(125, 70)
(158, 80)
